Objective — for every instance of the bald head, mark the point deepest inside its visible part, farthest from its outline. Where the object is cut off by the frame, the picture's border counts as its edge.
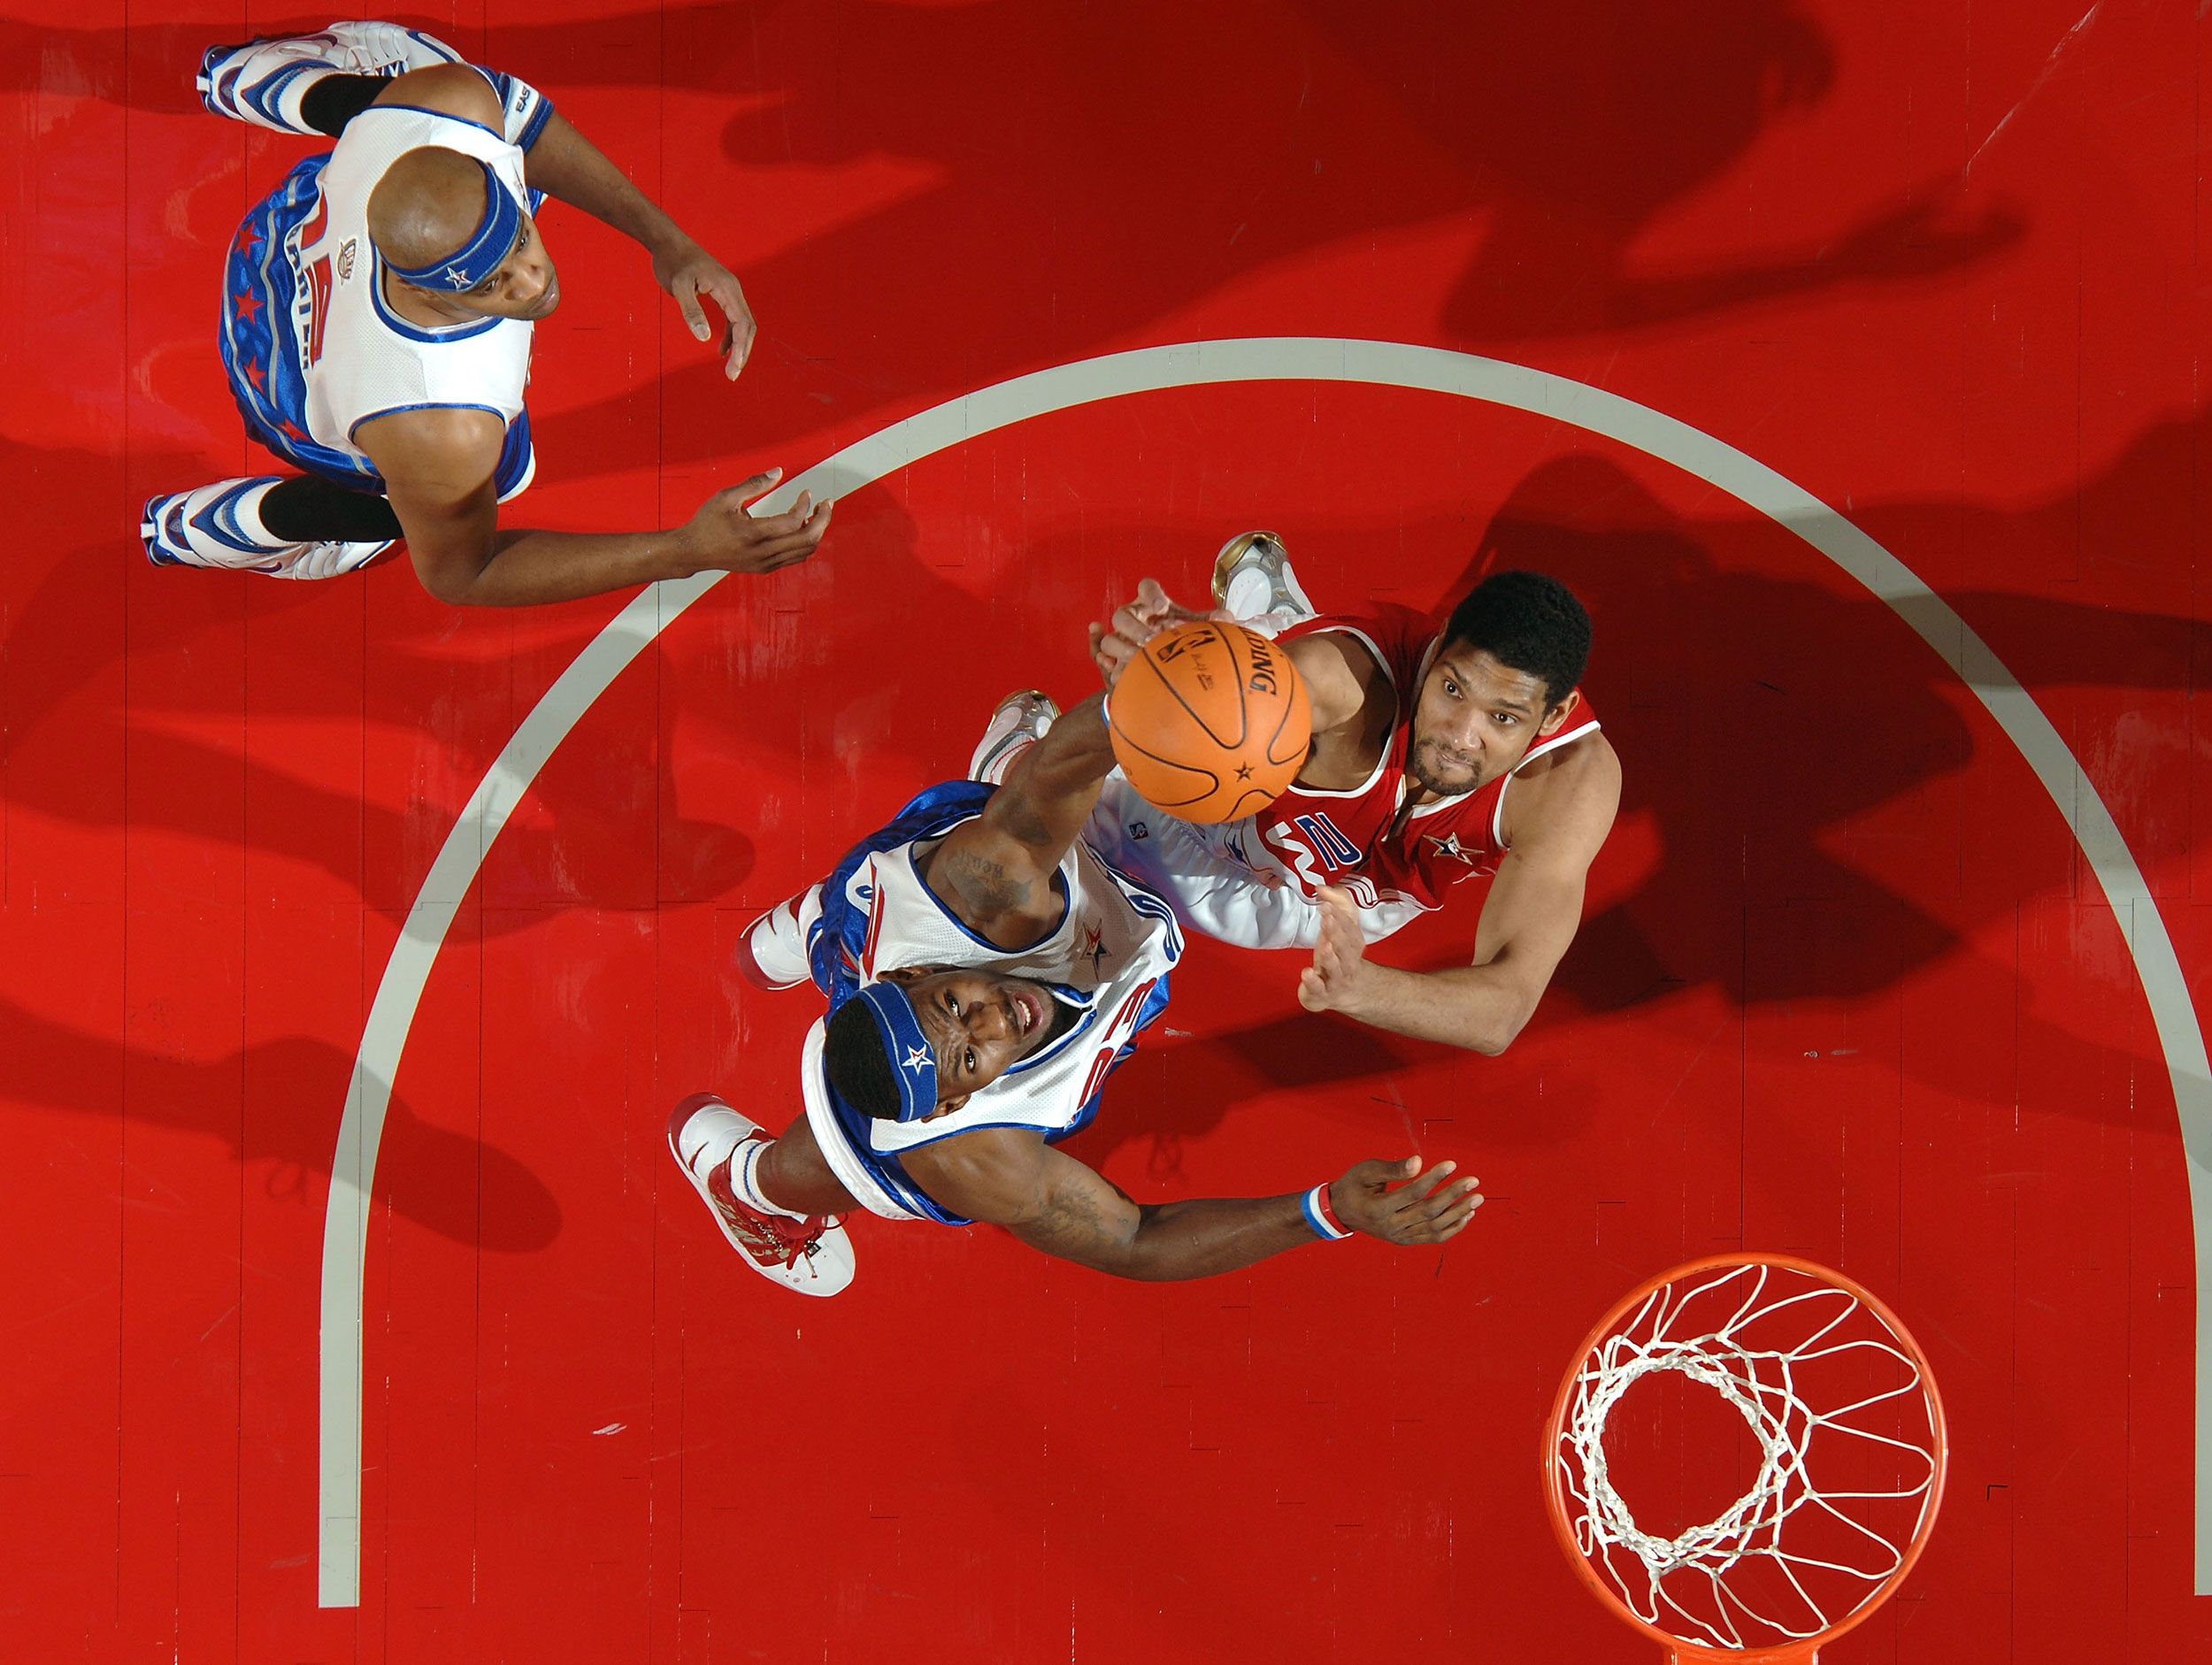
(428, 205)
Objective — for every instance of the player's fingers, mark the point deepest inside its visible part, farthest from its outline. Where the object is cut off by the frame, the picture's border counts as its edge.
(808, 537)
(747, 490)
(686, 293)
(1454, 1224)
(1445, 1199)
(1133, 625)
(1312, 993)
(789, 521)
(1152, 596)
(1413, 1197)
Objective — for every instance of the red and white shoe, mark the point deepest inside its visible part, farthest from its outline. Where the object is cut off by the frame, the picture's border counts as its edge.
(814, 1256)
(771, 953)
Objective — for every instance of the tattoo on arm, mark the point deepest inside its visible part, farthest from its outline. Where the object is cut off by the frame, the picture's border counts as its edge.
(985, 885)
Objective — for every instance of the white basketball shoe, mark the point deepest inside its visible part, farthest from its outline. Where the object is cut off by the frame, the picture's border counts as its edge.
(1254, 584)
(771, 953)
(263, 81)
(219, 525)
(813, 1256)
(1020, 721)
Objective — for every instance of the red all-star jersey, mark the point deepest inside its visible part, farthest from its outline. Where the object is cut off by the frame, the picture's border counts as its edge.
(1319, 837)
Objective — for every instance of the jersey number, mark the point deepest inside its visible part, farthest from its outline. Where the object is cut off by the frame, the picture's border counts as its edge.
(1124, 1025)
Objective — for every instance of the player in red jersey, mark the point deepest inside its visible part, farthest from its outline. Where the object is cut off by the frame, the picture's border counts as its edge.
(1437, 756)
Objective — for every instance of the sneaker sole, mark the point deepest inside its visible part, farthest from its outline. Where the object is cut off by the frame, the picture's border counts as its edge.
(1231, 553)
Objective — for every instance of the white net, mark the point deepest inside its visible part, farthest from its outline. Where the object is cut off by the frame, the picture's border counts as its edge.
(1840, 1438)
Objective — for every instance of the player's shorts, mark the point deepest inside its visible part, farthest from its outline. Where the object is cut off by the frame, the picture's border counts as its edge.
(1211, 893)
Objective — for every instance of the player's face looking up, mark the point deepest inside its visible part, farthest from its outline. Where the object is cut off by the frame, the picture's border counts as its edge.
(1475, 719)
(980, 1025)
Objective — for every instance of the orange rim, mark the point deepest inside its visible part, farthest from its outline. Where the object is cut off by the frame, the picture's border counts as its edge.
(1562, 1527)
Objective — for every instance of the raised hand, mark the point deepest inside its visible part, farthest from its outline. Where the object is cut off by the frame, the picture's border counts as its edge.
(1396, 1203)
(688, 272)
(722, 536)
(1135, 623)
(1331, 983)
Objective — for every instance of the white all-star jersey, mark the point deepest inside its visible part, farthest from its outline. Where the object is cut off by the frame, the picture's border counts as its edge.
(313, 348)
(1108, 960)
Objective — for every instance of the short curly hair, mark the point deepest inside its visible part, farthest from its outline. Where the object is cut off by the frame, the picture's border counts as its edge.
(1529, 622)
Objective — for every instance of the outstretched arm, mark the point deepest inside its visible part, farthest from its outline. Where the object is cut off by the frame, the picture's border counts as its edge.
(565, 164)
(562, 163)
(1055, 1204)
(1528, 921)
(996, 871)
(438, 466)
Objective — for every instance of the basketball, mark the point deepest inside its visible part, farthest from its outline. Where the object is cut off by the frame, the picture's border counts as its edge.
(1211, 722)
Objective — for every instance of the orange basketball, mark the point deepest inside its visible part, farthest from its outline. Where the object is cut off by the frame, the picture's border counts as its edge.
(1211, 722)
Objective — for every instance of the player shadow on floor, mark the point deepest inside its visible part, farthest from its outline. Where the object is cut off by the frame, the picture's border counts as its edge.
(1801, 760)
(250, 1101)
(1561, 135)
(1785, 671)
(75, 732)
(1565, 135)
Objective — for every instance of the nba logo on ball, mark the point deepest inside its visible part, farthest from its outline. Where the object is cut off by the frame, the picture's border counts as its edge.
(1210, 722)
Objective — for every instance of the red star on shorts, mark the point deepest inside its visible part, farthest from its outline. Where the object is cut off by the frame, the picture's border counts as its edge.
(254, 375)
(285, 428)
(246, 240)
(249, 305)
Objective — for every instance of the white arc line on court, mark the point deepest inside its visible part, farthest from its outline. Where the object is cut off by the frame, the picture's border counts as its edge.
(1151, 369)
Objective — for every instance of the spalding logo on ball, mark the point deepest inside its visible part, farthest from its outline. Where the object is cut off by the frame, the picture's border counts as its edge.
(1211, 722)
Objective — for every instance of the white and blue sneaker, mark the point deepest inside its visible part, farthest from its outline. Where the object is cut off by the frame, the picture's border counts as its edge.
(263, 81)
(1254, 585)
(1019, 723)
(219, 527)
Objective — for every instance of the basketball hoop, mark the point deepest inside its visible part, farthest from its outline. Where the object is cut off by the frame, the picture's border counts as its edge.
(1823, 1422)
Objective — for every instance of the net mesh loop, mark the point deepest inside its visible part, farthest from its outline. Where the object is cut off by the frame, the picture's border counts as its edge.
(1760, 1379)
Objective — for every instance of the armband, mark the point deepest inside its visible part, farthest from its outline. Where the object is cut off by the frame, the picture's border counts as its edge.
(1322, 1218)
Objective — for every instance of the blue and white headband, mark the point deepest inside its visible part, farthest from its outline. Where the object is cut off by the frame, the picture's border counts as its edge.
(486, 249)
(912, 1062)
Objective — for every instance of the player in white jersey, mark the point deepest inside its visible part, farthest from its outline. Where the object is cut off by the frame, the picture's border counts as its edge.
(377, 320)
(986, 968)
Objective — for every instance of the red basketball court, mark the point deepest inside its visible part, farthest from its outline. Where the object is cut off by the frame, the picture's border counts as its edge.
(1842, 354)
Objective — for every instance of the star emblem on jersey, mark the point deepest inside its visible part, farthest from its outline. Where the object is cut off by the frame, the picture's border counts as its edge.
(1094, 948)
(1449, 846)
(917, 1059)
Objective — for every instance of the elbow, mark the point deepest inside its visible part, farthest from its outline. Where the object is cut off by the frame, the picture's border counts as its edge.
(452, 582)
(1491, 1038)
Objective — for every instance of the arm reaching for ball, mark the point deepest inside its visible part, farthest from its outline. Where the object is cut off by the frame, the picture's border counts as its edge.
(1334, 689)
(996, 871)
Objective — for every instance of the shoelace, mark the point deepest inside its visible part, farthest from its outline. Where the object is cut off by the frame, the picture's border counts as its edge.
(768, 1239)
